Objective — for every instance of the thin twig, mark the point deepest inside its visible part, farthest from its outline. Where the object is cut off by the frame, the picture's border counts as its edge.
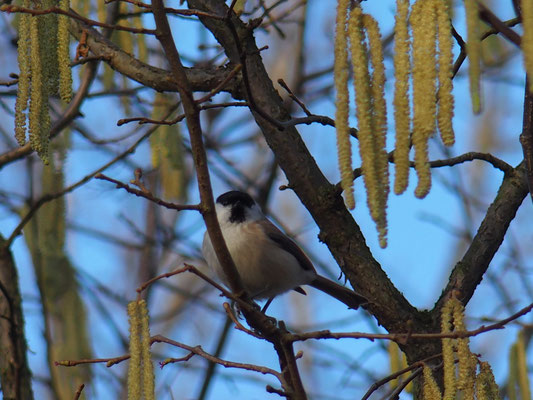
(144, 120)
(227, 364)
(71, 14)
(399, 337)
(78, 392)
(294, 97)
(489, 17)
(376, 385)
(148, 195)
(169, 10)
(396, 393)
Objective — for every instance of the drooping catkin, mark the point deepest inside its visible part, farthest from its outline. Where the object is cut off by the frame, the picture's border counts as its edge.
(423, 22)
(473, 49)
(142, 50)
(363, 103)
(448, 358)
(430, 388)
(342, 103)
(23, 92)
(394, 361)
(527, 39)
(486, 387)
(63, 56)
(101, 11)
(134, 369)
(379, 124)
(521, 367)
(467, 361)
(38, 102)
(402, 118)
(513, 374)
(445, 74)
(48, 48)
(147, 366)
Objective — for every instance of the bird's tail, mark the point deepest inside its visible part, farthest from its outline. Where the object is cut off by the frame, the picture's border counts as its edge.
(341, 293)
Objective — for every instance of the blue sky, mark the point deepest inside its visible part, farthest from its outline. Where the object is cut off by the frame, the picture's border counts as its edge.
(421, 250)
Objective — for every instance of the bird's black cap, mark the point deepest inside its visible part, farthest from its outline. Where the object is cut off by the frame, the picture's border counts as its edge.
(234, 197)
(239, 202)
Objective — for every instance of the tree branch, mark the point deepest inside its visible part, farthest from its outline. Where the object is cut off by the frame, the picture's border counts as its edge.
(201, 79)
(468, 272)
(15, 376)
(526, 137)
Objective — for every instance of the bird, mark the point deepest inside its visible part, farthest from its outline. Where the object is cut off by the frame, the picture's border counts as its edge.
(268, 262)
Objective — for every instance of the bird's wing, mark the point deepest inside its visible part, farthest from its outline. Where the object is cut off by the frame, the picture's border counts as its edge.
(286, 244)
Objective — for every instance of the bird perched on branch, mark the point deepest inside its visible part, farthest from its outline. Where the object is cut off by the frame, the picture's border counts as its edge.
(268, 261)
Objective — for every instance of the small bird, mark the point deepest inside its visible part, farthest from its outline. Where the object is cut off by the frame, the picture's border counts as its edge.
(268, 262)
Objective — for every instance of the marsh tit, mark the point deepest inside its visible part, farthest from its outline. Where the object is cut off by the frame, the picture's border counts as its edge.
(268, 262)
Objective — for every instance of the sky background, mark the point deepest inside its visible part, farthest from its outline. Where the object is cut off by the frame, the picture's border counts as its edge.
(424, 239)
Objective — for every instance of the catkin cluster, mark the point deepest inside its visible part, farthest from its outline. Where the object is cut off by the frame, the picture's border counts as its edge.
(44, 64)
(460, 365)
(366, 51)
(426, 59)
(141, 381)
(431, 70)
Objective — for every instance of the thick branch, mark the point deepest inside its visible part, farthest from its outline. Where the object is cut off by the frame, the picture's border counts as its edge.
(468, 272)
(201, 79)
(15, 376)
(192, 115)
(526, 138)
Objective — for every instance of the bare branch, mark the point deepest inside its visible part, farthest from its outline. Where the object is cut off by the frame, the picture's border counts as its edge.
(72, 14)
(148, 195)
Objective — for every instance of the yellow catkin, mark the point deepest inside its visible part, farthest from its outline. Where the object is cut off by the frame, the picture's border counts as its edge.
(379, 124)
(469, 390)
(448, 358)
(486, 387)
(45, 126)
(473, 49)
(36, 99)
(142, 50)
(430, 388)
(23, 92)
(239, 6)
(521, 363)
(394, 361)
(101, 11)
(134, 369)
(527, 39)
(147, 366)
(467, 361)
(342, 103)
(63, 56)
(363, 104)
(160, 108)
(445, 97)
(513, 374)
(125, 39)
(401, 97)
(48, 27)
(423, 21)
